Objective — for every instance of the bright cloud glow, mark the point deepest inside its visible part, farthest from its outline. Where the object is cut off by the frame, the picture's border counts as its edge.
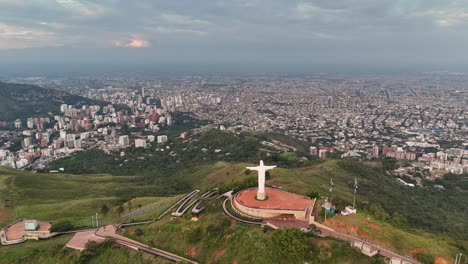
(12, 37)
(131, 43)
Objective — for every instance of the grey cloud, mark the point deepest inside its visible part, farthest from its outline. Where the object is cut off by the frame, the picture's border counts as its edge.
(257, 30)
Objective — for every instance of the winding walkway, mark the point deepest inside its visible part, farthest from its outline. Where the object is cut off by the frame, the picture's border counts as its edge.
(181, 200)
(226, 211)
(109, 231)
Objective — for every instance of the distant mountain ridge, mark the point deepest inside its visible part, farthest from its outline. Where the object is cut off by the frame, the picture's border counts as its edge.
(24, 100)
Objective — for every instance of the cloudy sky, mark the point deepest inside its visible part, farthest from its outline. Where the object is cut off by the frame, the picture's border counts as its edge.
(340, 34)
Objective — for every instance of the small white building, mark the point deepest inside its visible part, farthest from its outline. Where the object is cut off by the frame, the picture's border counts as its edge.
(31, 225)
(140, 143)
(124, 140)
(349, 210)
(162, 139)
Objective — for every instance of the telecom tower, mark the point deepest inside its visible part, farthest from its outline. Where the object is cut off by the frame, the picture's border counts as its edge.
(355, 190)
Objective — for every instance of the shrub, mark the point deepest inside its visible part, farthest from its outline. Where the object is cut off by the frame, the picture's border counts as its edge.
(139, 232)
(290, 245)
(61, 226)
(313, 194)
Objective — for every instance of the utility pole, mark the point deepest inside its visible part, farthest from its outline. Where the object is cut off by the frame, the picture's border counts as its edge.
(329, 198)
(355, 190)
(97, 221)
(92, 220)
(325, 214)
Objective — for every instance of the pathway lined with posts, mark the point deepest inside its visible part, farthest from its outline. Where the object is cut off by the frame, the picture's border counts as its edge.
(201, 201)
(109, 231)
(182, 200)
(183, 208)
(373, 248)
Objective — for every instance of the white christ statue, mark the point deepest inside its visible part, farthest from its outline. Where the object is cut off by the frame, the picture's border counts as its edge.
(261, 195)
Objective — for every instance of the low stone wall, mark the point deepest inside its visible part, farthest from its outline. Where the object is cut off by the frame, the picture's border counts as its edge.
(268, 213)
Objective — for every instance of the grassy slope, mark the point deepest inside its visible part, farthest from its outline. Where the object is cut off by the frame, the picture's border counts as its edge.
(52, 251)
(23, 101)
(214, 238)
(76, 197)
(405, 240)
(64, 197)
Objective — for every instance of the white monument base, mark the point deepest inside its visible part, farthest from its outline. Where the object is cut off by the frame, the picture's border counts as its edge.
(261, 196)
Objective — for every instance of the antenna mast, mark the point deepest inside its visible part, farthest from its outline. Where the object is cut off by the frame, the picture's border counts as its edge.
(355, 190)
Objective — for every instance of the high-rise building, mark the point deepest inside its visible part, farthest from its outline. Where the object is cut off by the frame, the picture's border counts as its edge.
(375, 151)
(63, 134)
(313, 151)
(18, 123)
(169, 120)
(162, 139)
(323, 153)
(140, 143)
(27, 142)
(124, 140)
(77, 144)
(30, 123)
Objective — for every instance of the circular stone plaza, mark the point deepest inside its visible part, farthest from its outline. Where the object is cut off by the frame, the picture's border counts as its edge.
(276, 208)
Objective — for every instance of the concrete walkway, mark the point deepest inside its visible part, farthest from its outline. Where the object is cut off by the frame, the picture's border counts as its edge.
(326, 231)
(109, 231)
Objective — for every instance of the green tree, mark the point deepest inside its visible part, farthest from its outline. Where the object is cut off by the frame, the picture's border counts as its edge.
(378, 212)
(120, 210)
(61, 226)
(139, 232)
(289, 245)
(425, 258)
(313, 194)
(104, 209)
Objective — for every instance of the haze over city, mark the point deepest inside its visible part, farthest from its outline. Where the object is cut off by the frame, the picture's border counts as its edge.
(236, 35)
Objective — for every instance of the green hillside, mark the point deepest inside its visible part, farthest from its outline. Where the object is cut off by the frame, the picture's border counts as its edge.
(67, 197)
(214, 238)
(24, 101)
(52, 251)
(385, 211)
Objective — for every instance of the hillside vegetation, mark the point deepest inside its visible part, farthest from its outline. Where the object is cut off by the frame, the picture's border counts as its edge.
(23, 101)
(214, 238)
(421, 222)
(59, 197)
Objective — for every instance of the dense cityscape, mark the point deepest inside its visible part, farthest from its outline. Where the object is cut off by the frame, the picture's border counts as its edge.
(420, 119)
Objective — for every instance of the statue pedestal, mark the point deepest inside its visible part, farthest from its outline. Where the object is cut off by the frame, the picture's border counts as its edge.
(261, 196)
